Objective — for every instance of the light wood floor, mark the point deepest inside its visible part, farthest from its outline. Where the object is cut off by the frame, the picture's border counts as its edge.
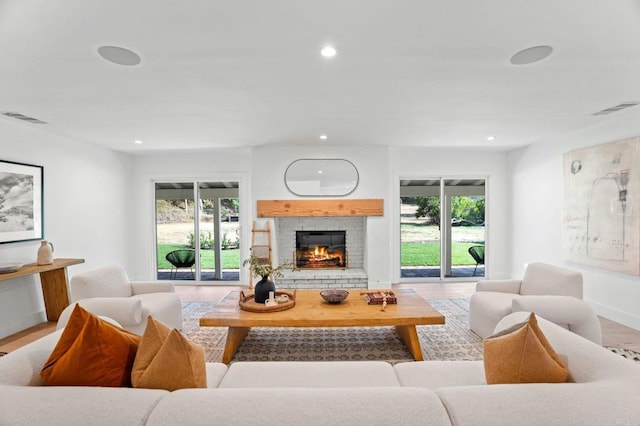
(614, 334)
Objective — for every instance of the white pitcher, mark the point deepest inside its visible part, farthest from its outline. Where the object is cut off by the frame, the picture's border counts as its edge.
(45, 253)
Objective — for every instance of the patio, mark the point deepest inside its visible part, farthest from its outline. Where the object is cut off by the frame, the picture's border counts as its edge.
(434, 272)
(406, 272)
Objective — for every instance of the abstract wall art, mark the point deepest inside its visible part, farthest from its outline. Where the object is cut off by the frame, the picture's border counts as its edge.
(601, 222)
(21, 203)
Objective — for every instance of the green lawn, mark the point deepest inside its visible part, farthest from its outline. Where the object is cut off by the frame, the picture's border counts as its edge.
(230, 258)
(413, 254)
(428, 254)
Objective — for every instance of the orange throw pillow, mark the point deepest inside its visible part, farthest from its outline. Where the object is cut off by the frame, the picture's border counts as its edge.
(522, 354)
(167, 360)
(91, 352)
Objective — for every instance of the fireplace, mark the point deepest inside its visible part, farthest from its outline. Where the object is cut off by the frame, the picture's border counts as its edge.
(321, 250)
(351, 275)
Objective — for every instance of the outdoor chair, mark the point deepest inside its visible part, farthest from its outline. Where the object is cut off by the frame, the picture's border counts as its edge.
(183, 258)
(477, 252)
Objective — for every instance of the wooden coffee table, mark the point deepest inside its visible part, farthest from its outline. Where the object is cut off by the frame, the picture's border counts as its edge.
(312, 311)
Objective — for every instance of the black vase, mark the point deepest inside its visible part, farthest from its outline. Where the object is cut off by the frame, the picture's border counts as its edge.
(263, 287)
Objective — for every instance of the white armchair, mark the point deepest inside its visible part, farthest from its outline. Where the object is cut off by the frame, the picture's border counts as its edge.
(551, 292)
(108, 292)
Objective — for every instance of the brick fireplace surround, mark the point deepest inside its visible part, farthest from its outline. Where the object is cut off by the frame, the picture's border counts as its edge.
(349, 215)
(353, 277)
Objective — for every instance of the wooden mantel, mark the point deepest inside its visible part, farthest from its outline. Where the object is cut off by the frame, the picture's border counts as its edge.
(318, 208)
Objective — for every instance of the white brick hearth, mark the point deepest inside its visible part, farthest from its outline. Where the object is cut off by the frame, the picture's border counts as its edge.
(321, 279)
(353, 277)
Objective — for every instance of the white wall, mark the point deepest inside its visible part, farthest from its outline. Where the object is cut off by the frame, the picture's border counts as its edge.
(223, 164)
(98, 205)
(536, 194)
(269, 165)
(85, 215)
(264, 168)
(407, 163)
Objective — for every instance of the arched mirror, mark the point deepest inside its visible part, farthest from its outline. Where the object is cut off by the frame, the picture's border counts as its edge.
(321, 177)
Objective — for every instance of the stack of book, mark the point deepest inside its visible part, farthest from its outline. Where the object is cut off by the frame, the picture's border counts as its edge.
(376, 298)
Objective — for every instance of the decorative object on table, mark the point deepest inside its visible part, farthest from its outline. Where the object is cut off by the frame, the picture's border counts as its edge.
(378, 297)
(45, 253)
(334, 297)
(271, 300)
(248, 303)
(263, 268)
(283, 298)
(21, 203)
(6, 268)
(263, 288)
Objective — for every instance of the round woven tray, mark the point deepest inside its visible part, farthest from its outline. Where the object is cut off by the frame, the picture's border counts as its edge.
(247, 302)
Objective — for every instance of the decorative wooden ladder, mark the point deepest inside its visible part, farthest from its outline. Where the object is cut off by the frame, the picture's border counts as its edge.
(259, 249)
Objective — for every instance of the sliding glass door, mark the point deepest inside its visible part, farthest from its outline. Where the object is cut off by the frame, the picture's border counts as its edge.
(197, 231)
(420, 239)
(442, 228)
(464, 236)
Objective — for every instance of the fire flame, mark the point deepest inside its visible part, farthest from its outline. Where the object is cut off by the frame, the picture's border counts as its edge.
(321, 253)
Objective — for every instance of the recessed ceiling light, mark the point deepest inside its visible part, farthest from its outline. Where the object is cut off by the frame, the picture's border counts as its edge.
(323, 137)
(138, 142)
(23, 117)
(119, 55)
(491, 138)
(531, 55)
(617, 108)
(328, 52)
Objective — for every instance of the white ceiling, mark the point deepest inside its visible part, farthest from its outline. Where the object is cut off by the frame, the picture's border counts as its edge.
(239, 73)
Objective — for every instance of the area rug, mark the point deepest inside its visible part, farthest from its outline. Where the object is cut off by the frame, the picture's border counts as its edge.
(626, 353)
(451, 341)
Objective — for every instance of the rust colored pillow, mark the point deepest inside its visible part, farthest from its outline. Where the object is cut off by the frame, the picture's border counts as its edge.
(522, 354)
(91, 352)
(167, 360)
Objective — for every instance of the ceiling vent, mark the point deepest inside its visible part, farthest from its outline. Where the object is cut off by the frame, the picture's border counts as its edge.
(23, 117)
(617, 108)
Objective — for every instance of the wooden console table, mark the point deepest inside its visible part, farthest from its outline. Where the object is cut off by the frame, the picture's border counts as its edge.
(54, 283)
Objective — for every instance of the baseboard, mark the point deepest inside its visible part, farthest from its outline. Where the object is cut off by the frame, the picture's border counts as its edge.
(20, 324)
(623, 318)
(179, 283)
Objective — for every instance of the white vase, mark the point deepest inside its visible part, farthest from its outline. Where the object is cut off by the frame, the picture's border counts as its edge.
(45, 253)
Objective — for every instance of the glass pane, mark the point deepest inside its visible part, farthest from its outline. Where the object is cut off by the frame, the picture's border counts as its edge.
(466, 198)
(420, 241)
(206, 225)
(219, 224)
(175, 231)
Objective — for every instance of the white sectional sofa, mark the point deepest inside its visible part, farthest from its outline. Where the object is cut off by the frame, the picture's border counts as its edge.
(606, 392)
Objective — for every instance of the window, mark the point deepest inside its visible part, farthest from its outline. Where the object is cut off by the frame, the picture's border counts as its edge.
(440, 220)
(197, 241)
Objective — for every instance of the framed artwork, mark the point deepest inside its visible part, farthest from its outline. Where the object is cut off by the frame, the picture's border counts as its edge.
(601, 222)
(21, 202)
